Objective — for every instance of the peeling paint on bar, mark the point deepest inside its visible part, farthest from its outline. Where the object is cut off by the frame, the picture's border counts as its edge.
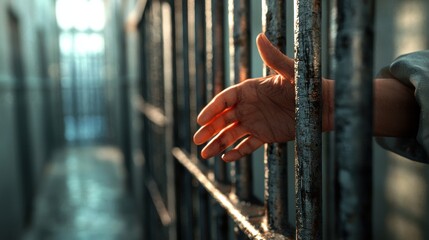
(276, 153)
(308, 169)
(250, 218)
(353, 118)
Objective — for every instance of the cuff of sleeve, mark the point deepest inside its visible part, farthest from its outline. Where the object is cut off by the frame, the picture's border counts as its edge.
(413, 71)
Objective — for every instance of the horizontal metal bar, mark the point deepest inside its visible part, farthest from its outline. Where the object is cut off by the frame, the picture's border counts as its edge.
(153, 113)
(249, 218)
(158, 202)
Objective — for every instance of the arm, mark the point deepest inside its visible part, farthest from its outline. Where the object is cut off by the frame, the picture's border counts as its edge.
(262, 110)
(396, 112)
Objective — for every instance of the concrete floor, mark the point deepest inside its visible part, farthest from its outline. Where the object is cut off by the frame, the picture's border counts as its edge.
(83, 197)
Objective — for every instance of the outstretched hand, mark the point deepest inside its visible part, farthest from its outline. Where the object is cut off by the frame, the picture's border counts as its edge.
(256, 111)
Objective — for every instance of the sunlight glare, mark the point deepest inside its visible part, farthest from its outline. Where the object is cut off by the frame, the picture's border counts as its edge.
(80, 14)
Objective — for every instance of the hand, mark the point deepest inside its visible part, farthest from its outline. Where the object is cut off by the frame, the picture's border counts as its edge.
(256, 111)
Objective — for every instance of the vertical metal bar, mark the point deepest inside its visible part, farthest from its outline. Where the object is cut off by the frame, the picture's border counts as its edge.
(220, 228)
(144, 134)
(353, 118)
(21, 112)
(330, 183)
(276, 153)
(182, 120)
(125, 137)
(144, 89)
(308, 149)
(167, 29)
(241, 28)
(201, 58)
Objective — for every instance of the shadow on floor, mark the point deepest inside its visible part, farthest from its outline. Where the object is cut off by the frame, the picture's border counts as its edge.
(83, 197)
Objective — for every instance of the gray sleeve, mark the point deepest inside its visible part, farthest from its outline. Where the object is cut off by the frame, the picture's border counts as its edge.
(412, 70)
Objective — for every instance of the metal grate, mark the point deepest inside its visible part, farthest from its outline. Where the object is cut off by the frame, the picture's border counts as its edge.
(186, 59)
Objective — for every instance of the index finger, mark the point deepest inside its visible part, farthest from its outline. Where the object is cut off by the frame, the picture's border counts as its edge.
(224, 100)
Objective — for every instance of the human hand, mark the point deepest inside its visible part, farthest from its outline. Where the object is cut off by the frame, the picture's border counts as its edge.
(256, 111)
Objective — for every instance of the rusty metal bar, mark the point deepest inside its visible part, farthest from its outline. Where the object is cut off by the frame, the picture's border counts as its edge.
(249, 218)
(241, 37)
(276, 154)
(308, 149)
(353, 118)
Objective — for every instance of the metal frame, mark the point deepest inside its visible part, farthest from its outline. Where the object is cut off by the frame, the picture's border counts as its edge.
(185, 65)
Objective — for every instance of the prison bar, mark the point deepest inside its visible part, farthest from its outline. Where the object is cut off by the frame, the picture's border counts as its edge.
(196, 62)
(167, 35)
(201, 59)
(249, 218)
(184, 186)
(241, 69)
(308, 141)
(353, 118)
(219, 215)
(276, 197)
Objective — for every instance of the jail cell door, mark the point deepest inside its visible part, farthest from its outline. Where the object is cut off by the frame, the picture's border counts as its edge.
(83, 86)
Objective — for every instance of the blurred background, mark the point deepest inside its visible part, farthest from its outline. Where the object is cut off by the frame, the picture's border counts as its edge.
(87, 90)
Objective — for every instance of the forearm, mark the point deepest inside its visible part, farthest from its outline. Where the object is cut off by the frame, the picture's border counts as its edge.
(396, 111)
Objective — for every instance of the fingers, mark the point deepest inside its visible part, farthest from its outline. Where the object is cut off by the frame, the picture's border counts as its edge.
(212, 128)
(223, 140)
(247, 146)
(275, 59)
(217, 105)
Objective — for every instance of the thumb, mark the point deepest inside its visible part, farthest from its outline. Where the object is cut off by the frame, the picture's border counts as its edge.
(275, 59)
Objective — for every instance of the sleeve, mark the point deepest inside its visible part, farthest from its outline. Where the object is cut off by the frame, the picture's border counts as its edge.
(413, 71)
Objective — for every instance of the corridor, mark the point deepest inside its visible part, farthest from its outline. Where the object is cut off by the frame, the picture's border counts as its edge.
(99, 101)
(83, 196)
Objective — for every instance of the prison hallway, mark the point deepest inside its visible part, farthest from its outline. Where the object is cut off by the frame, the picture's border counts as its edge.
(83, 196)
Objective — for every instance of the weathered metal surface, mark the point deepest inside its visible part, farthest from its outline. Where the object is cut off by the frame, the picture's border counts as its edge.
(276, 188)
(276, 154)
(353, 118)
(241, 36)
(308, 170)
(249, 218)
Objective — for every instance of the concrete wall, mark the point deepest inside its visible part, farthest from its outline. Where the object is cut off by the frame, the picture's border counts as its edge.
(27, 105)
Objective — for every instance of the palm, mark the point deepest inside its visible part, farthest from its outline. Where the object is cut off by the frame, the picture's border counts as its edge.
(265, 109)
(256, 111)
